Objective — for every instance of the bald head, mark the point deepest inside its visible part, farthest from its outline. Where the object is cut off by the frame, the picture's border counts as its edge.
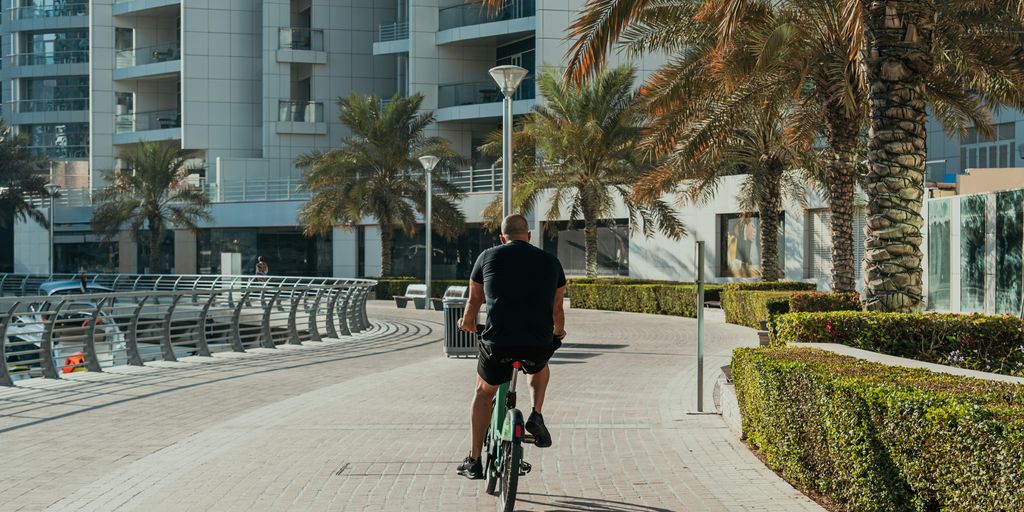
(514, 227)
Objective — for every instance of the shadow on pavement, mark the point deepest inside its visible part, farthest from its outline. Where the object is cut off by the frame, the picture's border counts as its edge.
(579, 503)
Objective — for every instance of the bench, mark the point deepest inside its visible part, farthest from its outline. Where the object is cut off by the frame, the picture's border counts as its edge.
(453, 292)
(417, 293)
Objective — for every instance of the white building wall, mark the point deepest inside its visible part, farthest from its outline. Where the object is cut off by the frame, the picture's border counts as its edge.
(31, 247)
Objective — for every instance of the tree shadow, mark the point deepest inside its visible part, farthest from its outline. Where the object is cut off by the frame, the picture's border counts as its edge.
(556, 503)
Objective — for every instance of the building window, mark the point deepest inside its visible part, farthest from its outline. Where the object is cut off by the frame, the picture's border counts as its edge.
(287, 251)
(76, 251)
(45, 48)
(977, 152)
(569, 245)
(739, 244)
(452, 259)
(53, 94)
(59, 141)
(819, 243)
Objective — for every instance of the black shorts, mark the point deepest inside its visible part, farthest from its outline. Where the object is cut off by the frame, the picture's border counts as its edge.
(494, 363)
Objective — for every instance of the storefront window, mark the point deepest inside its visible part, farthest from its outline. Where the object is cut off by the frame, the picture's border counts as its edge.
(612, 248)
(938, 255)
(739, 244)
(286, 250)
(1009, 238)
(972, 254)
(84, 251)
(453, 259)
(166, 254)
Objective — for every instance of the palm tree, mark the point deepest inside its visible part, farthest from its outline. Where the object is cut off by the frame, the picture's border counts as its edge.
(763, 148)
(579, 146)
(21, 179)
(150, 195)
(376, 173)
(960, 57)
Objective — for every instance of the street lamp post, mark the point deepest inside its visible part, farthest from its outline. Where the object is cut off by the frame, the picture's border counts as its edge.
(429, 162)
(52, 189)
(508, 79)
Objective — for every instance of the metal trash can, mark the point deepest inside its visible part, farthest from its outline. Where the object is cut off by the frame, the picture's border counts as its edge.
(457, 343)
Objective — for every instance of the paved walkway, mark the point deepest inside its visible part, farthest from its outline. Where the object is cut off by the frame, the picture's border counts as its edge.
(378, 422)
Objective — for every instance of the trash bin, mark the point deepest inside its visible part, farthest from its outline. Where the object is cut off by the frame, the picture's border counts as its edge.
(457, 343)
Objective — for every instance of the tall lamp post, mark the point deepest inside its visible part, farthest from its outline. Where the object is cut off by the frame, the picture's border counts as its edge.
(508, 79)
(429, 162)
(52, 189)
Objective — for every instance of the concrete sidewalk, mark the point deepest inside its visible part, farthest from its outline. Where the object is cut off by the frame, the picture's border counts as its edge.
(378, 422)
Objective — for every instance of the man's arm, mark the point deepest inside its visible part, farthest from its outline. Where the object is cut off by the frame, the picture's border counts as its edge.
(559, 312)
(476, 300)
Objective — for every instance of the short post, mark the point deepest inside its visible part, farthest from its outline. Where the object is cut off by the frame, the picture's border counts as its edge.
(700, 326)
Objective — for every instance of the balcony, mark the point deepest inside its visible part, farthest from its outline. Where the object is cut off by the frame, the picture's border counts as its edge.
(301, 45)
(147, 126)
(48, 11)
(301, 117)
(50, 58)
(478, 100)
(477, 180)
(61, 152)
(48, 105)
(248, 190)
(122, 7)
(465, 22)
(392, 38)
(148, 62)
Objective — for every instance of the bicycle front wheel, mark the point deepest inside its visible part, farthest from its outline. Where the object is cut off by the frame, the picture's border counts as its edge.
(509, 478)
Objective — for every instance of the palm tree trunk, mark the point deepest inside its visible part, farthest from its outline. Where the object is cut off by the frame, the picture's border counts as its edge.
(590, 242)
(156, 237)
(899, 34)
(843, 134)
(386, 244)
(769, 207)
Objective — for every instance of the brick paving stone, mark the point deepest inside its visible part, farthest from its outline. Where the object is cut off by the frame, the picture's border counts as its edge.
(377, 422)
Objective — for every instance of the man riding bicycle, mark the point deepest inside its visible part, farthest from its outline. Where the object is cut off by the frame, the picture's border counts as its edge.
(523, 287)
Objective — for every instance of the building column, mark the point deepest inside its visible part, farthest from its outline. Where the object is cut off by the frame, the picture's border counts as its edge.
(346, 252)
(31, 246)
(184, 251)
(127, 254)
(372, 250)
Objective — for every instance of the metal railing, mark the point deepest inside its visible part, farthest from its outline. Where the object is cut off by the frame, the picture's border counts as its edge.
(393, 31)
(300, 111)
(279, 189)
(478, 93)
(48, 11)
(465, 14)
(164, 317)
(143, 121)
(50, 58)
(148, 55)
(477, 180)
(48, 105)
(301, 39)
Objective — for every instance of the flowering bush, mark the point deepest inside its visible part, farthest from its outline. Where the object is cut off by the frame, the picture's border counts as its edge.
(976, 342)
(875, 438)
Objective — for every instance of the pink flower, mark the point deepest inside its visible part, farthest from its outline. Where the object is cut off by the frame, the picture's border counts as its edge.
(828, 326)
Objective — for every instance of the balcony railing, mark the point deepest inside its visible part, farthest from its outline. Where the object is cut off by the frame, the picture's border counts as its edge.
(477, 180)
(463, 15)
(48, 11)
(61, 152)
(301, 39)
(393, 31)
(281, 189)
(300, 111)
(48, 105)
(144, 121)
(43, 59)
(148, 55)
(478, 93)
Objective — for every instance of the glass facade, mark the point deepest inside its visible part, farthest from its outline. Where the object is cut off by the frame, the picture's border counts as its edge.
(1009, 242)
(54, 94)
(166, 253)
(739, 244)
(44, 48)
(286, 250)
(569, 245)
(59, 141)
(452, 259)
(972, 254)
(939, 251)
(84, 251)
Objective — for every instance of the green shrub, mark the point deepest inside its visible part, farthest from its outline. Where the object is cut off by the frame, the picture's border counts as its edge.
(875, 438)
(749, 308)
(811, 302)
(977, 342)
(769, 286)
(655, 299)
(388, 287)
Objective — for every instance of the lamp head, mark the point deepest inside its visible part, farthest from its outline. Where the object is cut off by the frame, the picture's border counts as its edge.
(508, 78)
(52, 188)
(429, 162)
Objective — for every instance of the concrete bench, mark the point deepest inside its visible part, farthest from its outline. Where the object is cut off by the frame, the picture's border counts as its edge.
(417, 293)
(453, 292)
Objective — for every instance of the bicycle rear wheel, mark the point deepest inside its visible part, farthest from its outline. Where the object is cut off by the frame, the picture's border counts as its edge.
(491, 465)
(508, 481)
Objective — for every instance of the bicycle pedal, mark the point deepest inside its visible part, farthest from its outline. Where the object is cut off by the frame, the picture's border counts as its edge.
(528, 439)
(524, 468)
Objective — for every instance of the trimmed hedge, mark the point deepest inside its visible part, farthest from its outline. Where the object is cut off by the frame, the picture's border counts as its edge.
(875, 438)
(770, 286)
(655, 299)
(824, 301)
(749, 308)
(976, 342)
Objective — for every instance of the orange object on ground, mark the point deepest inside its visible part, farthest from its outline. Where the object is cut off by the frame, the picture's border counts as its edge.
(72, 363)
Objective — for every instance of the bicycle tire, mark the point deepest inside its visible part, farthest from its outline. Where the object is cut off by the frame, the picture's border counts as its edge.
(509, 481)
(491, 466)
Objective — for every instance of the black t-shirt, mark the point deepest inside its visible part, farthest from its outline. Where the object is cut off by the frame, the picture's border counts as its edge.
(519, 281)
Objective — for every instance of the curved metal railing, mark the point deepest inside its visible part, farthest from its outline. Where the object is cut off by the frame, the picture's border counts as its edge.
(164, 317)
